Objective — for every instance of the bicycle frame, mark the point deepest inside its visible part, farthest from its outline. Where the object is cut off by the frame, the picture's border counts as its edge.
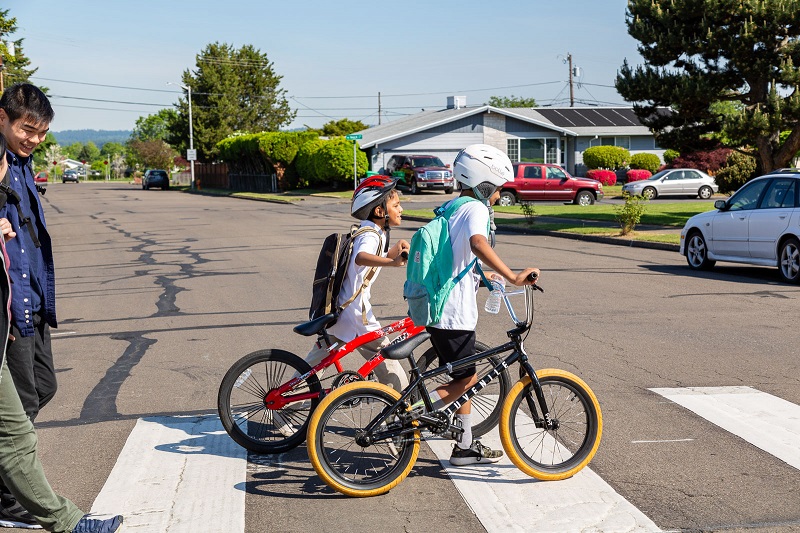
(514, 345)
(278, 398)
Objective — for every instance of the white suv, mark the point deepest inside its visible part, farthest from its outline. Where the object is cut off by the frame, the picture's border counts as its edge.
(758, 225)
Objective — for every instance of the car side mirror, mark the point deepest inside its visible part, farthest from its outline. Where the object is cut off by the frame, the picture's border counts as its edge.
(722, 205)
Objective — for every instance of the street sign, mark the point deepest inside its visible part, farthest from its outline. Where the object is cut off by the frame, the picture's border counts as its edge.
(191, 155)
(353, 136)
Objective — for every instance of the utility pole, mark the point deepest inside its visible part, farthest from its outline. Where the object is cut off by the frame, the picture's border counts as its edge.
(571, 91)
(379, 108)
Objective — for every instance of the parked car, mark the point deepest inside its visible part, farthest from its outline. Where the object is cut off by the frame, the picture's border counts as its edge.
(69, 175)
(758, 225)
(674, 182)
(41, 177)
(419, 172)
(541, 181)
(155, 178)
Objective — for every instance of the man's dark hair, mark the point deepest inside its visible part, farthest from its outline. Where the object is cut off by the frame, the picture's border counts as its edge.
(23, 100)
(2, 147)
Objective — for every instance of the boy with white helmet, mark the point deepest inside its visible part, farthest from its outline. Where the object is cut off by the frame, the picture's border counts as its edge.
(482, 170)
(377, 205)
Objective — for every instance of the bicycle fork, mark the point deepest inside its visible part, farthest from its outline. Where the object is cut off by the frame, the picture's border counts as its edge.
(545, 421)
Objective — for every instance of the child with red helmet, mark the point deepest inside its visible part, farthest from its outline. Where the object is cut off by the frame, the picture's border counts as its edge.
(376, 204)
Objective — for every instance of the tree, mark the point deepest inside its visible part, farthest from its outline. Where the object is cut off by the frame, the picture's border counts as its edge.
(511, 101)
(701, 52)
(40, 155)
(17, 65)
(154, 153)
(90, 152)
(339, 128)
(233, 91)
(157, 126)
(111, 148)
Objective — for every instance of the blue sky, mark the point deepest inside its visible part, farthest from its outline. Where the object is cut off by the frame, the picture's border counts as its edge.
(334, 56)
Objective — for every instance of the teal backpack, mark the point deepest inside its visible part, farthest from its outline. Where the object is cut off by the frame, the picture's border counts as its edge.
(429, 273)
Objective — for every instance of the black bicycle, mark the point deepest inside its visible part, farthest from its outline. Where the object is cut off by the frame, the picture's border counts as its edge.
(364, 437)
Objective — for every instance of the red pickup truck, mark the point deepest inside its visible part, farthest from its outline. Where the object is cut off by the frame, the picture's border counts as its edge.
(539, 181)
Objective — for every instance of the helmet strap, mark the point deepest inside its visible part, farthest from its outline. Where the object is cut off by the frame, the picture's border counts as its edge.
(481, 197)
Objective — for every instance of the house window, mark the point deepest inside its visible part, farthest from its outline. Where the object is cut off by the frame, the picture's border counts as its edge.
(512, 149)
(622, 142)
(544, 150)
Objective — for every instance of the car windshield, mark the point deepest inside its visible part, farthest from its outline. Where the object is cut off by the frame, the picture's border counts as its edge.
(427, 162)
(658, 175)
(159, 173)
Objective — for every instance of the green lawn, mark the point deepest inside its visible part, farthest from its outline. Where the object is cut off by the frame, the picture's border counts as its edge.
(657, 213)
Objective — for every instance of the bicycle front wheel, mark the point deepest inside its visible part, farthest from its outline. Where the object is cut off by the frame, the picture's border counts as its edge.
(341, 462)
(488, 403)
(556, 453)
(242, 408)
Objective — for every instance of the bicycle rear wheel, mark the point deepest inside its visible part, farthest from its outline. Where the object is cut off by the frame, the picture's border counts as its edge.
(561, 452)
(342, 463)
(488, 403)
(245, 415)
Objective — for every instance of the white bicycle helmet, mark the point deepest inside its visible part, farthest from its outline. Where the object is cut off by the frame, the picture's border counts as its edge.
(480, 163)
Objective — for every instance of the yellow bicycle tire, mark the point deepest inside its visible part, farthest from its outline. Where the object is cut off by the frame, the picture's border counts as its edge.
(507, 415)
(319, 417)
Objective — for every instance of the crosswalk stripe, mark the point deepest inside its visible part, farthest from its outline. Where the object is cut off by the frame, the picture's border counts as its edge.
(177, 475)
(765, 421)
(505, 499)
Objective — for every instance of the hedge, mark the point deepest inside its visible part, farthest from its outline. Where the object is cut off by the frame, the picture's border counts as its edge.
(638, 174)
(645, 161)
(607, 157)
(606, 177)
(738, 169)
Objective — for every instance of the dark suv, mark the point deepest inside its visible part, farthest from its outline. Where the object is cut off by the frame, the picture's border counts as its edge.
(155, 178)
(540, 181)
(419, 172)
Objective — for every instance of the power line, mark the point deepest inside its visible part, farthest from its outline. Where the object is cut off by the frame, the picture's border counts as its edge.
(109, 86)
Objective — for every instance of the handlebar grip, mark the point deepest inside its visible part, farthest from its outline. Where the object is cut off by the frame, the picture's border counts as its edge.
(404, 255)
(533, 276)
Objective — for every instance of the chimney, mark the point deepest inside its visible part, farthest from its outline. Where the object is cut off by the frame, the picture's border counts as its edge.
(456, 102)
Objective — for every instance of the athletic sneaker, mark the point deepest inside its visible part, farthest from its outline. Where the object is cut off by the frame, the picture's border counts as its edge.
(12, 514)
(475, 454)
(93, 525)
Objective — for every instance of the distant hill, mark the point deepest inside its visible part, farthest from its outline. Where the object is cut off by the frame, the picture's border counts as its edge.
(98, 137)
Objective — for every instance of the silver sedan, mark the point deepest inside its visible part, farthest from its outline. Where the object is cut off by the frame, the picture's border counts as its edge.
(674, 182)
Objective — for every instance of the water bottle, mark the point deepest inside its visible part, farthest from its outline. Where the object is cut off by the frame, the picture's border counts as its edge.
(495, 297)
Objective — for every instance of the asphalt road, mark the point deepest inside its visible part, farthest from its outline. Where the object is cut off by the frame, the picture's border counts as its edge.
(159, 292)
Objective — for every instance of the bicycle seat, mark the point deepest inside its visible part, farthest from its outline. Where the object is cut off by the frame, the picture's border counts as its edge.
(403, 349)
(313, 327)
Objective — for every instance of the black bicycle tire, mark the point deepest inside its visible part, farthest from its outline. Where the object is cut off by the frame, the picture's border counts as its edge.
(230, 420)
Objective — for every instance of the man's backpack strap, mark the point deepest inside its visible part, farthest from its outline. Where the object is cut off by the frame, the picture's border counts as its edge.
(13, 198)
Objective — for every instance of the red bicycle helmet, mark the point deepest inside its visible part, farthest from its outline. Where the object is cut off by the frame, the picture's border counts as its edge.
(371, 193)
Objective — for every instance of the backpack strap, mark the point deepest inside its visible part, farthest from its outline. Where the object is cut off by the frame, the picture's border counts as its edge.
(447, 212)
(367, 277)
(13, 198)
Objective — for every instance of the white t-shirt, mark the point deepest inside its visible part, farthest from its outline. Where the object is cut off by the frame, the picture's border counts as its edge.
(461, 309)
(351, 322)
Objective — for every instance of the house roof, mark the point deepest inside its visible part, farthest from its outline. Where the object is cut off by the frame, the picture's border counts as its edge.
(569, 121)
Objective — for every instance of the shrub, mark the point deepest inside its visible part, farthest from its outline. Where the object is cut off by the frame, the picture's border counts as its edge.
(630, 213)
(670, 155)
(645, 161)
(608, 157)
(606, 177)
(738, 169)
(638, 175)
(333, 162)
(304, 163)
(709, 161)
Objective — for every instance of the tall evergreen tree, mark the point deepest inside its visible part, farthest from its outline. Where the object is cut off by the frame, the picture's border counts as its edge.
(701, 52)
(232, 91)
(16, 67)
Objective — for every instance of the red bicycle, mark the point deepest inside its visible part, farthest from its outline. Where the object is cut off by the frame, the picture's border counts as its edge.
(266, 398)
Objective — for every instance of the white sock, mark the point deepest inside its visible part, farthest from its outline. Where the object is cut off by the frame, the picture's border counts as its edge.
(465, 441)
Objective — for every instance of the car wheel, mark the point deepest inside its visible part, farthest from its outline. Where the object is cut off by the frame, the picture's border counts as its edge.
(790, 260)
(448, 190)
(507, 198)
(705, 192)
(584, 198)
(63, 181)
(649, 193)
(414, 189)
(697, 252)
